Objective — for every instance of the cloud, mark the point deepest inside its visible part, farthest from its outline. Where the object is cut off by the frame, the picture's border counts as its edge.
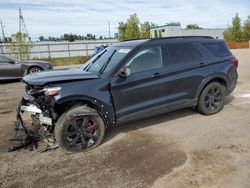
(54, 18)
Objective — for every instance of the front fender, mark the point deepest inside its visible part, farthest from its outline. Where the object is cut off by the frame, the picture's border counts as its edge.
(104, 109)
(24, 69)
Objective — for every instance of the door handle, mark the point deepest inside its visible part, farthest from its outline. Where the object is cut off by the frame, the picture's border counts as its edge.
(202, 64)
(155, 75)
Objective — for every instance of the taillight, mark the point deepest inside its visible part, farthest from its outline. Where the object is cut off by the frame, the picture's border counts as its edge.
(234, 62)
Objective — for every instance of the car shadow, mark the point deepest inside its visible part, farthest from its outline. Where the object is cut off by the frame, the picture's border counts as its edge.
(148, 122)
(9, 81)
(229, 99)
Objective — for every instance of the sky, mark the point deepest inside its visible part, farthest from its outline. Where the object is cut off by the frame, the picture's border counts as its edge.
(54, 18)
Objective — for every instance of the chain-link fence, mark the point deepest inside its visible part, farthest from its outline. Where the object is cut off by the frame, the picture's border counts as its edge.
(40, 50)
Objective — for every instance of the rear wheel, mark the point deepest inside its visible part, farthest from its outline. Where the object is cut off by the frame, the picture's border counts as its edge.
(211, 99)
(79, 129)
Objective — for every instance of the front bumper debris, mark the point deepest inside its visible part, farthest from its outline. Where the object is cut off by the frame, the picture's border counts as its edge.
(33, 110)
(30, 138)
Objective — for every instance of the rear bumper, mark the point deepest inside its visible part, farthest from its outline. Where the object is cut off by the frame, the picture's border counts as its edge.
(232, 80)
(231, 87)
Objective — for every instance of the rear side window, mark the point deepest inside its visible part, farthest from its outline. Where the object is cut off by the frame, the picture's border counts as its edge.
(218, 49)
(182, 53)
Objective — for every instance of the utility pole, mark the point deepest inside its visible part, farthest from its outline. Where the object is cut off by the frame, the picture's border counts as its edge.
(22, 26)
(2, 30)
(109, 30)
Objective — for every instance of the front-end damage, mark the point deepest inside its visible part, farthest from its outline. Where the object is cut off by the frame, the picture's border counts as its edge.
(38, 103)
(50, 95)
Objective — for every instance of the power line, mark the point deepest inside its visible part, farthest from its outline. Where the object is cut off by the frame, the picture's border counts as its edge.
(2, 30)
(22, 25)
(109, 29)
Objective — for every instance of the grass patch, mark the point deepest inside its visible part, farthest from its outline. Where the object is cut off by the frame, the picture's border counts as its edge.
(67, 60)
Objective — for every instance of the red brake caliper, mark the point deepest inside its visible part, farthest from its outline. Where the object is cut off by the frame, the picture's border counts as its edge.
(88, 124)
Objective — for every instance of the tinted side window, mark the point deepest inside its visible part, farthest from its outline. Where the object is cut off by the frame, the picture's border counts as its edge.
(218, 49)
(182, 53)
(146, 59)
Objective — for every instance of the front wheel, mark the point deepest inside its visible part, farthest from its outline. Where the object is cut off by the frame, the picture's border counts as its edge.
(211, 99)
(79, 129)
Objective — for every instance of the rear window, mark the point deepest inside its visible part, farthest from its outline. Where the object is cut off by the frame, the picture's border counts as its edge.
(182, 53)
(217, 49)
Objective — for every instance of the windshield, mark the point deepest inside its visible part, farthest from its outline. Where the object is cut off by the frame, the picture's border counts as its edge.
(8, 58)
(106, 60)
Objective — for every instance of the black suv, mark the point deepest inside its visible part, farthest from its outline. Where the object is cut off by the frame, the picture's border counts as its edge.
(129, 81)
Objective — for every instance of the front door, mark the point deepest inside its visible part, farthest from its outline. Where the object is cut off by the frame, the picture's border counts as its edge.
(144, 88)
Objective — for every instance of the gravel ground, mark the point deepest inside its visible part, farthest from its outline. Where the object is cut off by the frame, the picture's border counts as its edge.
(178, 149)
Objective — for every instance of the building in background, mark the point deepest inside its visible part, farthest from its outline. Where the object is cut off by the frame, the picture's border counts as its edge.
(170, 31)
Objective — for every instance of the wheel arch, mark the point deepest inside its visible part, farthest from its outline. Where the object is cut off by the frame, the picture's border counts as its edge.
(221, 78)
(105, 112)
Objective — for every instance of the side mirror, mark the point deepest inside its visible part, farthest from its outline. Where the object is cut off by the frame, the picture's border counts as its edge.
(125, 72)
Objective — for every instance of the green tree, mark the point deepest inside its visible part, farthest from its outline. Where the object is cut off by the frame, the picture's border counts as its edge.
(41, 38)
(66, 36)
(235, 32)
(90, 37)
(71, 38)
(145, 30)
(173, 24)
(246, 30)
(122, 29)
(133, 28)
(193, 26)
(20, 45)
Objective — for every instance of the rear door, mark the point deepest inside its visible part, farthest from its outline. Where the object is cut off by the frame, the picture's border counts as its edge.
(144, 88)
(186, 68)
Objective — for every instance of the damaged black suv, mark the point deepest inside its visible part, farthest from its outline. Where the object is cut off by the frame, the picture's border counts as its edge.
(129, 81)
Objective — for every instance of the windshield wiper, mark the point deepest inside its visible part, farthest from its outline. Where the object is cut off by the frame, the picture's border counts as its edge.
(106, 63)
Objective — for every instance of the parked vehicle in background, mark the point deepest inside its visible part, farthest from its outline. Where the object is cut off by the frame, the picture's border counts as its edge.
(98, 49)
(129, 81)
(11, 68)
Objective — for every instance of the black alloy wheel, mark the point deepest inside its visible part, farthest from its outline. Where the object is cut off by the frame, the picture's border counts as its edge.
(81, 132)
(80, 129)
(211, 99)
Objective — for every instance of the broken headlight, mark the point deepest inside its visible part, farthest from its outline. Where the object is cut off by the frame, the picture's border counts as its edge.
(49, 91)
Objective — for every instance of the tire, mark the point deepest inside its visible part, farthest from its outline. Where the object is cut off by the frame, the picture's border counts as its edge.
(33, 70)
(212, 99)
(68, 128)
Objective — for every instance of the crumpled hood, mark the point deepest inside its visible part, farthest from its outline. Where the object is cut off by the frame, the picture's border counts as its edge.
(45, 77)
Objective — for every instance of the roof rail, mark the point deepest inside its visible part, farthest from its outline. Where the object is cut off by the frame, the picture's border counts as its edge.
(184, 37)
